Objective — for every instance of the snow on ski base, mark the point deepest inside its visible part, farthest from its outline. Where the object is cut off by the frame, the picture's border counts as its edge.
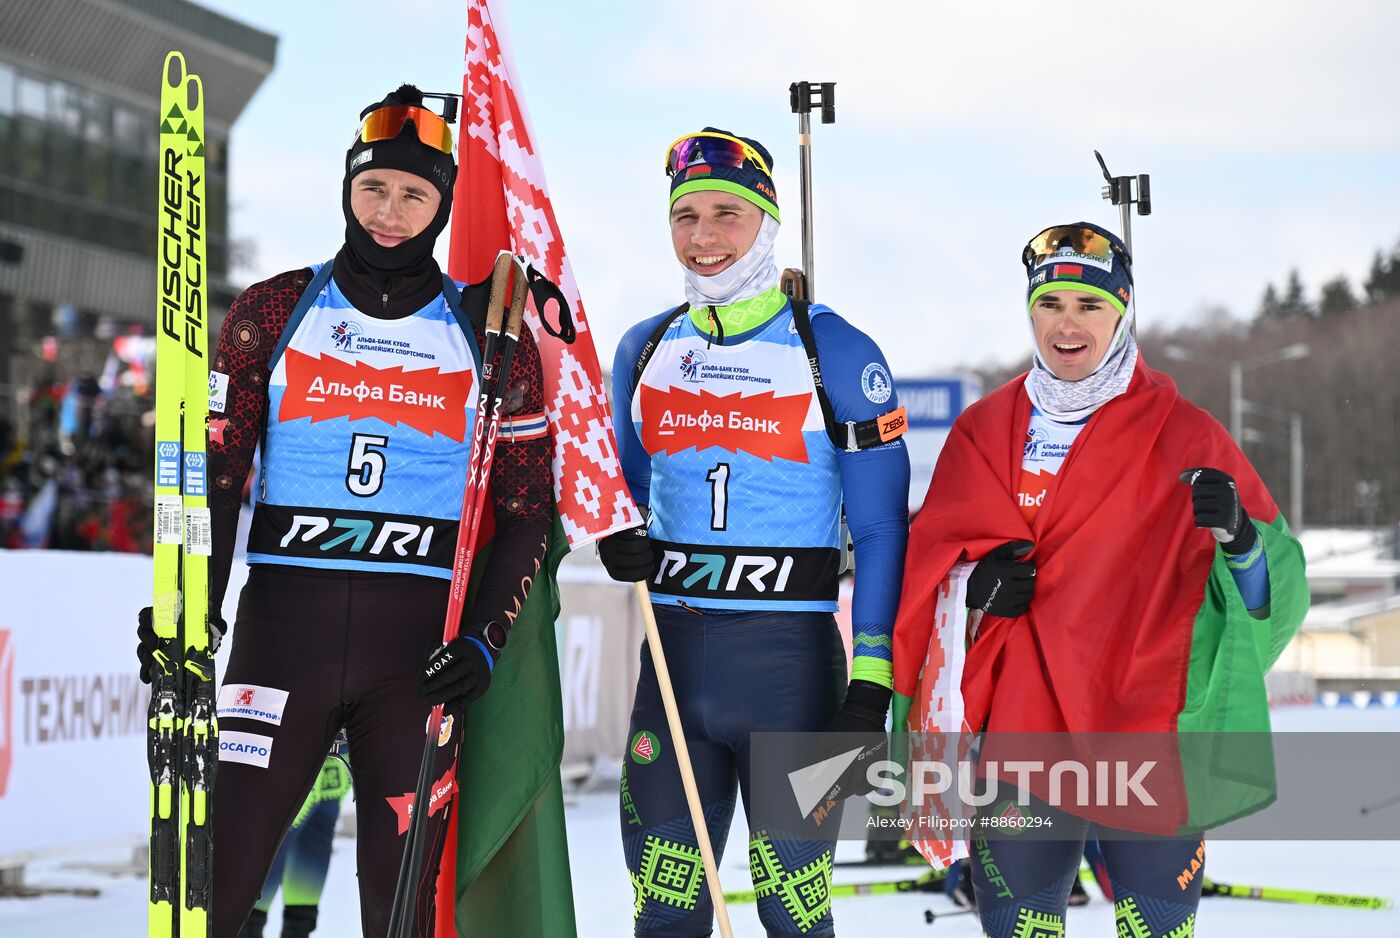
(603, 900)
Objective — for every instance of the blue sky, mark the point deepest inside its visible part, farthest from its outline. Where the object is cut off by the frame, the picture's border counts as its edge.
(962, 129)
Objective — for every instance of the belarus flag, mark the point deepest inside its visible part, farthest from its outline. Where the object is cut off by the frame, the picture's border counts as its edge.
(511, 862)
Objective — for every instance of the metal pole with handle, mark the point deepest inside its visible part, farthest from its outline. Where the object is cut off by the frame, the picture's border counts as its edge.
(803, 97)
(692, 791)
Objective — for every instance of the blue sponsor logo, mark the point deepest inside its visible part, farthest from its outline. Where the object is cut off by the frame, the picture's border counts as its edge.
(875, 382)
(167, 464)
(194, 474)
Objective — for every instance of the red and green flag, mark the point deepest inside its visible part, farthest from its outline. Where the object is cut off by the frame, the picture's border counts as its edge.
(1136, 626)
(509, 873)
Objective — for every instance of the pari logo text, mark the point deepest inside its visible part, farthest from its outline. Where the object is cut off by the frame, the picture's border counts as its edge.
(761, 573)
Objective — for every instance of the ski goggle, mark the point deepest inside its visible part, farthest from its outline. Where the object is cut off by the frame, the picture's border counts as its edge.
(711, 149)
(1075, 238)
(386, 123)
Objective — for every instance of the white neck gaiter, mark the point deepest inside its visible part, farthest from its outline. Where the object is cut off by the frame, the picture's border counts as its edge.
(747, 277)
(1071, 401)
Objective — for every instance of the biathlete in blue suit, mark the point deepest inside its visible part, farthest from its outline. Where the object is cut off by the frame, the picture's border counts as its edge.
(744, 455)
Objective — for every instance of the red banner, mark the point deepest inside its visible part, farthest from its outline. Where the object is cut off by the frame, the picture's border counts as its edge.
(761, 425)
(501, 202)
(426, 399)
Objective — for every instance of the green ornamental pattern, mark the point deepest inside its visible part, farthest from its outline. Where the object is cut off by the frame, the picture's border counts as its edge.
(1132, 924)
(671, 873)
(1031, 923)
(805, 892)
(765, 869)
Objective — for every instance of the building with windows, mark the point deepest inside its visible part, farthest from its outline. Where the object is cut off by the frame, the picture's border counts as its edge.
(79, 101)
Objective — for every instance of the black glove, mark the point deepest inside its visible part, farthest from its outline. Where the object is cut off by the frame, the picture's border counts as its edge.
(1001, 584)
(460, 671)
(1216, 503)
(147, 642)
(864, 711)
(627, 555)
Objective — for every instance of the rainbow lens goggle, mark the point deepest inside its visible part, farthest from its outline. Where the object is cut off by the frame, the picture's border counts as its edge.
(711, 149)
(1076, 238)
(386, 123)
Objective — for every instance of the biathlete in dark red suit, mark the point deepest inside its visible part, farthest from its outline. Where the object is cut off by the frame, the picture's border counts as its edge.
(358, 381)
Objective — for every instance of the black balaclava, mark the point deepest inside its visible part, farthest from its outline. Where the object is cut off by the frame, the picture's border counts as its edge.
(409, 264)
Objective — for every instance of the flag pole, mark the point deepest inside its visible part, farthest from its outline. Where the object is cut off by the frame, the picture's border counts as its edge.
(692, 791)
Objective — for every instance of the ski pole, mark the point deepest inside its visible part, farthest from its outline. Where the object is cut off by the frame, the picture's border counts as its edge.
(931, 916)
(493, 381)
(1120, 192)
(1294, 896)
(802, 97)
(692, 791)
(1368, 808)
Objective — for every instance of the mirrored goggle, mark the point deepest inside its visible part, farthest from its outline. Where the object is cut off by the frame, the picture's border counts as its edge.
(713, 150)
(386, 123)
(1071, 238)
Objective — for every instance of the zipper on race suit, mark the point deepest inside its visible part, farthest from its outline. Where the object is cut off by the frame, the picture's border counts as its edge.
(716, 329)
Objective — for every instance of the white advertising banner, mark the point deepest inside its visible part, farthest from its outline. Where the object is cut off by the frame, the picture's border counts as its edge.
(72, 708)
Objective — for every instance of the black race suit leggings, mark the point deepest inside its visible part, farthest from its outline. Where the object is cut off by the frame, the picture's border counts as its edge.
(348, 649)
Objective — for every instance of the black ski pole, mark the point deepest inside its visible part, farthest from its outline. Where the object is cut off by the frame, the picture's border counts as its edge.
(1369, 808)
(502, 328)
(931, 916)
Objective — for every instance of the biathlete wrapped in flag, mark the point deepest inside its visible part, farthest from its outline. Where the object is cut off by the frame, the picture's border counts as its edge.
(1096, 555)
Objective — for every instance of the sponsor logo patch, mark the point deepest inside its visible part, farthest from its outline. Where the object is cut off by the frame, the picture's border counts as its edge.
(893, 424)
(645, 747)
(440, 798)
(343, 335)
(426, 399)
(762, 425)
(194, 474)
(218, 391)
(876, 384)
(690, 365)
(249, 748)
(252, 702)
(362, 158)
(167, 464)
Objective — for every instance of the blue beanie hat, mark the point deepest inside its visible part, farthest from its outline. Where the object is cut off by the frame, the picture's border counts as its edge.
(1069, 269)
(746, 181)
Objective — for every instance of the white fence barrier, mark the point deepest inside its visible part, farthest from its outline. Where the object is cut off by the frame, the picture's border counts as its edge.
(72, 708)
(73, 711)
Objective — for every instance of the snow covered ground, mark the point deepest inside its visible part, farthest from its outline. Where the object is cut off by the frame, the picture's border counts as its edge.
(603, 900)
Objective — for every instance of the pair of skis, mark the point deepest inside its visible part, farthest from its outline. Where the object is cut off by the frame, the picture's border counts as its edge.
(932, 881)
(182, 733)
(503, 324)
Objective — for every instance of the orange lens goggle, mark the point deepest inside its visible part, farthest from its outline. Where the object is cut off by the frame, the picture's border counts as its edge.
(386, 123)
(714, 149)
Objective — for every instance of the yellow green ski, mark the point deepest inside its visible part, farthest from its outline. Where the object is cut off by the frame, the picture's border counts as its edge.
(183, 733)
